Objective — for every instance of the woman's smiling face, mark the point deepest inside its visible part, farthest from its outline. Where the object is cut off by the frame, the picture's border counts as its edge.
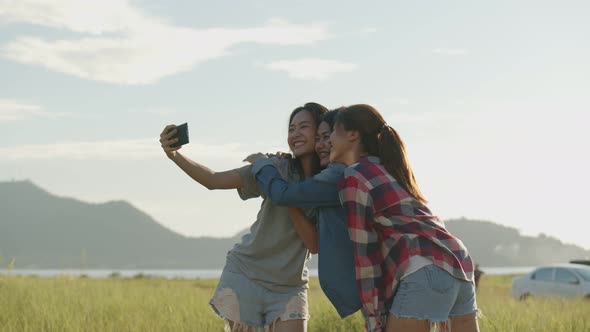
(302, 130)
(340, 144)
(322, 144)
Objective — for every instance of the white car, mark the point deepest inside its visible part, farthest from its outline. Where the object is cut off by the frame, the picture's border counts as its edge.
(563, 280)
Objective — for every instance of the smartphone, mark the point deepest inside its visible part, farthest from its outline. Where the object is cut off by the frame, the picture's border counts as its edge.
(181, 134)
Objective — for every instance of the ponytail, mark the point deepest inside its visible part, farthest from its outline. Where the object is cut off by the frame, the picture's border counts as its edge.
(392, 152)
(379, 139)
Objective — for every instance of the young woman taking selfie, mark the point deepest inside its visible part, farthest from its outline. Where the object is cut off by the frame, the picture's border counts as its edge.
(264, 282)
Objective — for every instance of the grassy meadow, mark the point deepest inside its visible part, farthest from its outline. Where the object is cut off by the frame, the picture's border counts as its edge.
(146, 304)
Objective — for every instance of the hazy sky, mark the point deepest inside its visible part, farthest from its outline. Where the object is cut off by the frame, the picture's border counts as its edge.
(492, 99)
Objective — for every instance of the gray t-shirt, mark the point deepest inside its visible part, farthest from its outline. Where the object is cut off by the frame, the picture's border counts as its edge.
(272, 254)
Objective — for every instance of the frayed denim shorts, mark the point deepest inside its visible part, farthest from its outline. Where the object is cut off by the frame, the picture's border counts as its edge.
(432, 293)
(255, 308)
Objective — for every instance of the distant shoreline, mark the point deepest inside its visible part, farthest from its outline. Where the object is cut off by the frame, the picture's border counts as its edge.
(190, 273)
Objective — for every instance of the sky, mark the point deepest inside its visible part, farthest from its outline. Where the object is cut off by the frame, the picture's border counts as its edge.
(491, 98)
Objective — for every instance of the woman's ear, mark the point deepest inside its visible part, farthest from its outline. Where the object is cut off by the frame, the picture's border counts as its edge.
(353, 135)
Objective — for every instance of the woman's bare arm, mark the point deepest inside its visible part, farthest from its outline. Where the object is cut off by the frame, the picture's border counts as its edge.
(200, 173)
(205, 176)
(305, 228)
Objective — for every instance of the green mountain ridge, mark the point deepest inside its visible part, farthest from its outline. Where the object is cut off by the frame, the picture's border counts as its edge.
(41, 230)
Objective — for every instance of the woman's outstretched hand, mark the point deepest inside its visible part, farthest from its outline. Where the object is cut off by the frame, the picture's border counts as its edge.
(166, 141)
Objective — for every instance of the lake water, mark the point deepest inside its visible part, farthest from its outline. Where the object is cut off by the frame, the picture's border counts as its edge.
(195, 274)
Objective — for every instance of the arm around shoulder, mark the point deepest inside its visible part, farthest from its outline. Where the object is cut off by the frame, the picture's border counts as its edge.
(309, 193)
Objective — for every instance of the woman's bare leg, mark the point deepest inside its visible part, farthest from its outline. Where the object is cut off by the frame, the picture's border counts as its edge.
(464, 323)
(396, 324)
(239, 328)
(293, 325)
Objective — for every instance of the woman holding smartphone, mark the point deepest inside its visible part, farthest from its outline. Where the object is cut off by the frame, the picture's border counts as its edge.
(264, 282)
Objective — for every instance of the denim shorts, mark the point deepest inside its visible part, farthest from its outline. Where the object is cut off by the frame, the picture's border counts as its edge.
(434, 294)
(249, 305)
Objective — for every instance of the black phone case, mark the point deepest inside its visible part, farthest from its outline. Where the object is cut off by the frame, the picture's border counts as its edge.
(181, 134)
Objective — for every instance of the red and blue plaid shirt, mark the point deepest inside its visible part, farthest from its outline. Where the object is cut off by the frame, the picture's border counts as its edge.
(388, 226)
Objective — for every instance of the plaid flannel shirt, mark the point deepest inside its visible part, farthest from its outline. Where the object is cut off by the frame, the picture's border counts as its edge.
(388, 226)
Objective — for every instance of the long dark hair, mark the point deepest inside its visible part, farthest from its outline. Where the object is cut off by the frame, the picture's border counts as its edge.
(379, 139)
(316, 111)
(330, 117)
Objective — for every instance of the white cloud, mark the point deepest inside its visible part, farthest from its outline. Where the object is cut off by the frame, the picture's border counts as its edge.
(126, 149)
(311, 69)
(94, 17)
(450, 51)
(104, 150)
(122, 45)
(14, 110)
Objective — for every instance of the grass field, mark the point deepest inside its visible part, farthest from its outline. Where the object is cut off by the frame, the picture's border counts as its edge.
(145, 304)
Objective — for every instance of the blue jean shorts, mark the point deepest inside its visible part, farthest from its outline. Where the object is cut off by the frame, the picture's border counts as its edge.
(434, 294)
(249, 305)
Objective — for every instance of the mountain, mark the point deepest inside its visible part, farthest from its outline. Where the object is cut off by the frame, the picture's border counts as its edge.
(491, 244)
(41, 230)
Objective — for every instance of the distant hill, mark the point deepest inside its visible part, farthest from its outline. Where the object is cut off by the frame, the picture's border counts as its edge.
(41, 230)
(491, 244)
(44, 231)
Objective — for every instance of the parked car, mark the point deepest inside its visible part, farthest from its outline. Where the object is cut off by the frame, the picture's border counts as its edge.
(563, 280)
(581, 261)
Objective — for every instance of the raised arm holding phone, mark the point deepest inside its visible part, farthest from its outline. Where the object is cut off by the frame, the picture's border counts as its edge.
(210, 179)
(268, 264)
